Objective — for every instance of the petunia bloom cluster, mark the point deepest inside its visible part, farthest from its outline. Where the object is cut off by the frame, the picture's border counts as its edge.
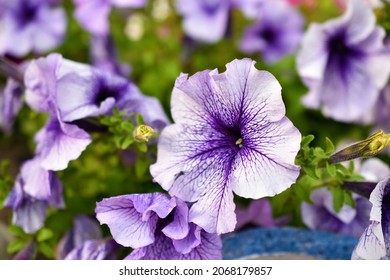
(70, 93)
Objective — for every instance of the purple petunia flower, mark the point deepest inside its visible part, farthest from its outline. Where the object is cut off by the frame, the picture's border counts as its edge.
(93, 14)
(344, 63)
(104, 57)
(84, 242)
(35, 189)
(251, 8)
(30, 25)
(157, 227)
(79, 91)
(10, 104)
(72, 91)
(204, 20)
(271, 38)
(374, 243)
(258, 213)
(100, 249)
(351, 221)
(84, 229)
(230, 135)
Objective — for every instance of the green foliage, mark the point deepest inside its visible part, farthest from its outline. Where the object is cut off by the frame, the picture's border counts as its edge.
(5, 181)
(317, 172)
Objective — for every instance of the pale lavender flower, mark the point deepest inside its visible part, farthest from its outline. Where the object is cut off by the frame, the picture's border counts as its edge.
(344, 63)
(230, 135)
(258, 213)
(29, 211)
(100, 249)
(157, 227)
(374, 243)
(59, 142)
(104, 57)
(93, 14)
(84, 242)
(251, 8)
(30, 25)
(84, 229)
(10, 104)
(276, 33)
(351, 221)
(79, 91)
(204, 20)
(380, 115)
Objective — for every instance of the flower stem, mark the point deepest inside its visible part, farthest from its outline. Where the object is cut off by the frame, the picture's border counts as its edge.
(11, 70)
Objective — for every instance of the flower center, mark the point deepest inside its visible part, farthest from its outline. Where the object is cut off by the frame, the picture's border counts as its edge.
(268, 35)
(239, 142)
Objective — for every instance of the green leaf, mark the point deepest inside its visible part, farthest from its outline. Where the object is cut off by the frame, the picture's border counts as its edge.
(44, 234)
(142, 147)
(331, 168)
(348, 199)
(306, 140)
(338, 198)
(329, 146)
(140, 119)
(127, 142)
(16, 231)
(127, 126)
(16, 246)
(310, 170)
(46, 250)
(303, 192)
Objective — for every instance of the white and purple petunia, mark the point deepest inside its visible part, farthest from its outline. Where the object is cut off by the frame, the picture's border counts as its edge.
(344, 62)
(30, 26)
(93, 14)
(205, 20)
(34, 191)
(374, 243)
(350, 221)
(157, 227)
(230, 135)
(276, 33)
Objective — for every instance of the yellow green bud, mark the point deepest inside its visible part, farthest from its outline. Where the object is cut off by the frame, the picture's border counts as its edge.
(143, 133)
(371, 146)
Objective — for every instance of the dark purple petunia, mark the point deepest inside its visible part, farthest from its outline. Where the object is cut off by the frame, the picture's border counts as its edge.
(10, 104)
(374, 243)
(93, 14)
(30, 25)
(230, 135)
(157, 227)
(344, 64)
(276, 33)
(204, 20)
(34, 191)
